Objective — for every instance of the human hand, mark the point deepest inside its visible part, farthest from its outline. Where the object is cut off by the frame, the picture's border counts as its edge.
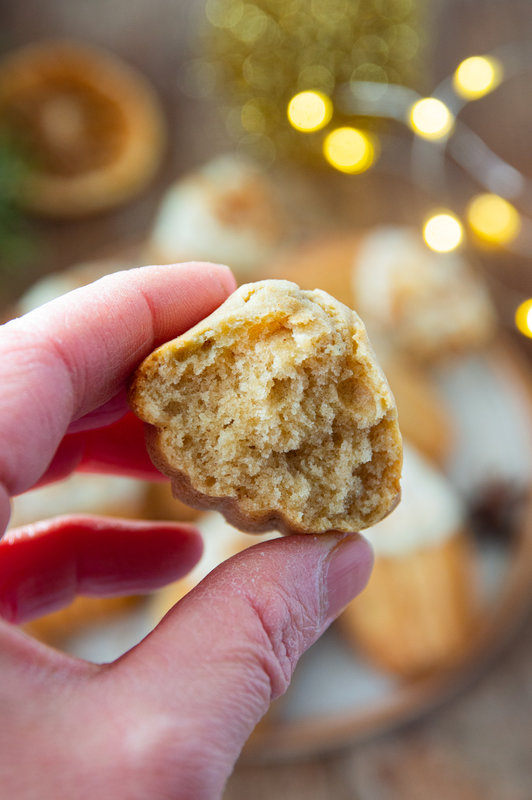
(170, 717)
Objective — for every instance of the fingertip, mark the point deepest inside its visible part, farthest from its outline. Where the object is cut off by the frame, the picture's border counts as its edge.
(136, 556)
(219, 272)
(43, 566)
(228, 279)
(181, 546)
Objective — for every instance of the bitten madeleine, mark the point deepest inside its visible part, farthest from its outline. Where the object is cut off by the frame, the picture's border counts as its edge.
(274, 411)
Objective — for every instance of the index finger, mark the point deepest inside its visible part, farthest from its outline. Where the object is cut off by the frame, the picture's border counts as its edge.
(73, 354)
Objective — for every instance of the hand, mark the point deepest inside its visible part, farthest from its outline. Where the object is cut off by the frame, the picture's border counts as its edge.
(169, 718)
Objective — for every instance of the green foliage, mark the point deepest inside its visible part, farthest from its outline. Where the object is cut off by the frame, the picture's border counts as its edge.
(15, 239)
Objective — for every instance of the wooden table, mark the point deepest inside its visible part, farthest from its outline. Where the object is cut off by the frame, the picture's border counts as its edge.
(475, 747)
(479, 744)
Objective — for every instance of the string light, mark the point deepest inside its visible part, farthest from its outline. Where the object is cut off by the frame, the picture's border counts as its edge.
(523, 318)
(443, 232)
(477, 76)
(350, 150)
(430, 118)
(268, 51)
(309, 111)
(493, 219)
(252, 37)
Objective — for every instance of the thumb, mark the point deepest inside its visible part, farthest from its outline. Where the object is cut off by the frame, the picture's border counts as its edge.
(207, 674)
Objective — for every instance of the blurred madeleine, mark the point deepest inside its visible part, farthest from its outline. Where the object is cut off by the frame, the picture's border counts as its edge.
(225, 212)
(418, 610)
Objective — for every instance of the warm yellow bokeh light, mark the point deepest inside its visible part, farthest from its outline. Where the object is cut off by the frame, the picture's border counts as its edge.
(477, 76)
(309, 111)
(523, 318)
(493, 219)
(350, 150)
(431, 118)
(443, 232)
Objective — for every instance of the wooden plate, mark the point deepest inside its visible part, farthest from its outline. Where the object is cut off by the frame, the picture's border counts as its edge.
(337, 697)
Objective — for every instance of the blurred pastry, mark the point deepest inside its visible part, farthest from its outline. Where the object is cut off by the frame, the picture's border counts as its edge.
(82, 614)
(225, 212)
(220, 541)
(80, 493)
(324, 262)
(89, 127)
(413, 301)
(417, 613)
(424, 419)
(422, 303)
(57, 283)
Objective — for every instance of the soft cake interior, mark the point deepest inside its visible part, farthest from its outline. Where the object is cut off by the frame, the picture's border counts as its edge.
(286, 411)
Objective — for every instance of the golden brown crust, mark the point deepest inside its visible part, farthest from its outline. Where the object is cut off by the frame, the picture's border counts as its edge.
(326, 261)
(417, 612)
(183, 490)
(423, 416)
(275, 412)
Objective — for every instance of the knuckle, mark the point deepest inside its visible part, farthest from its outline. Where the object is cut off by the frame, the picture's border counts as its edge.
(287, 627)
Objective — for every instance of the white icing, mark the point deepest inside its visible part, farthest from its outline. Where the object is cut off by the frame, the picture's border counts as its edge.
(398, 279)
(45, 290)
(221, 541)
(58, 283)
(430, 511)
(188, 225)
(79, 493)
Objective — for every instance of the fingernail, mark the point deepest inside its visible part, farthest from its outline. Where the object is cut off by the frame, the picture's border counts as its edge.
(5, 510)
(227, 279)
(349, 567)
(222, 274)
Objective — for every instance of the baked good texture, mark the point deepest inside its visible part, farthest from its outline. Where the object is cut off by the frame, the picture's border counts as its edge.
(426, 421)
(227, 211)
(274, 411)
(418, 610)
(427, 305)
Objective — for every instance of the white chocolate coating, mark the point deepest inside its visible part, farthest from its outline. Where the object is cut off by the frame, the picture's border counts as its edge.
(430, 511)
(225, 213)
(425, 300)
(221, 541)
(78, 494)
